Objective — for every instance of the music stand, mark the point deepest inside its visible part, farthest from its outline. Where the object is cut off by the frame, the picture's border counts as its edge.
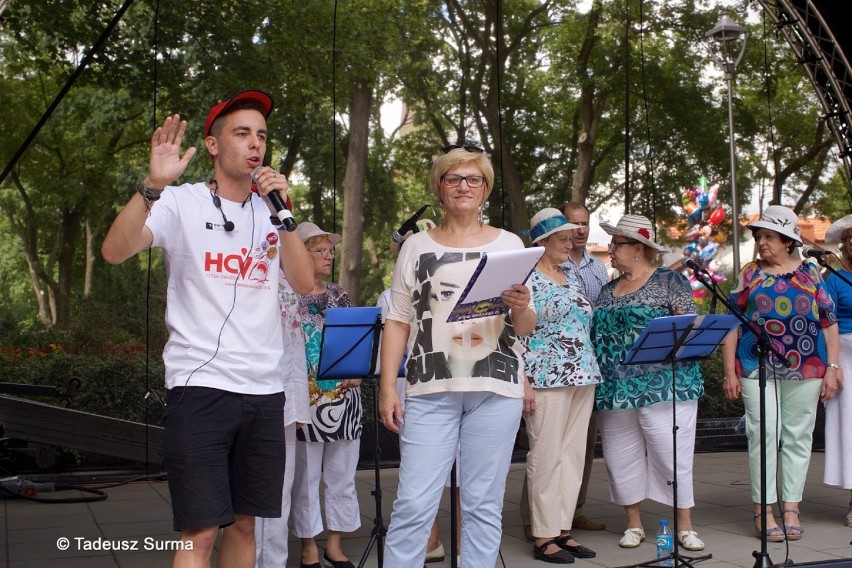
(349, 349)
(674, 339)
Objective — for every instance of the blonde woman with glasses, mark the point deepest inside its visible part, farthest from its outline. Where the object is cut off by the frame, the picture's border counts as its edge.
(465, 381)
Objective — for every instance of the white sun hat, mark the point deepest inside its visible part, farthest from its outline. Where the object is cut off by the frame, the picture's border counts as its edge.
(636, 227)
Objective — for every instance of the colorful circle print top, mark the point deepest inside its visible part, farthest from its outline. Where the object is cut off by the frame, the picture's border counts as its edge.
(792, 308)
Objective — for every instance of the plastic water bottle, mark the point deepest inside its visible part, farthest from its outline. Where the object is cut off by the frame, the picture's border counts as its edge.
(665, 544)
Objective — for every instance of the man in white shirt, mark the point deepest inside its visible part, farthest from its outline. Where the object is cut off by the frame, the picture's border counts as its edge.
(593, 275)
(224, 424)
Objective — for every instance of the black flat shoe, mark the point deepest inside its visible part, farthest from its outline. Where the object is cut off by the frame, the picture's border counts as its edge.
(314, 565)
(559, 557)
(578, 551)
(336, 563)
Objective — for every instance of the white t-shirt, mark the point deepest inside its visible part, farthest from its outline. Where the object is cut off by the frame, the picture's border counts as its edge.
(481, 354)
(224, 282)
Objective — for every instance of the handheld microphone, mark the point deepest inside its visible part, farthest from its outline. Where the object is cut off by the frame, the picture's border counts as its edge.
(281, 211)
(817, 253)
(410, 224)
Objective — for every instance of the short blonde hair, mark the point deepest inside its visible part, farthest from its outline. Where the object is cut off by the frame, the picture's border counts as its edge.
(443, 163)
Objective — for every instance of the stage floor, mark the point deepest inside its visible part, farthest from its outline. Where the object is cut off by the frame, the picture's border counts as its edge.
(30, 533)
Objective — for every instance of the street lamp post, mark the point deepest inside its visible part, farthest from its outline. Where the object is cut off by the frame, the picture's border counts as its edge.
(726, 33)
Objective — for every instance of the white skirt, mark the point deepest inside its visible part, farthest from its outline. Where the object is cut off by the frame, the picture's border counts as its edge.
(838, 424)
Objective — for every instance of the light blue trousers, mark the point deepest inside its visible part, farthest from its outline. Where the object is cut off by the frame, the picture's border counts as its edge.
(482, 426)
(791, 408)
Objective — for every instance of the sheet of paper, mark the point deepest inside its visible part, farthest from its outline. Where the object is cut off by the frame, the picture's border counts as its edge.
(495, 273)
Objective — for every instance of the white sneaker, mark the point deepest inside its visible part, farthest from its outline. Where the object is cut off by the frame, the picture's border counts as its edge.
(632, 538)
(690, 541)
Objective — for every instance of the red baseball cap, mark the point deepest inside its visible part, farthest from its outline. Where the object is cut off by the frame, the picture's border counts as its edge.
(264, 99)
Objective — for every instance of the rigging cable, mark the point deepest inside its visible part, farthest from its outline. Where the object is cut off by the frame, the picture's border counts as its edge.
(498, 21)
(627, 144)
(333, 128)
(65, 88)
(649, 154)
(155, 48)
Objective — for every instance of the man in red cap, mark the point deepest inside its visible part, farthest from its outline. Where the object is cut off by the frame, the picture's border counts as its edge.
(224, 428)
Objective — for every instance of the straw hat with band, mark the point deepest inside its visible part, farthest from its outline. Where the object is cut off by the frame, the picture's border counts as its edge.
(636, 227)
(548, 221)
(307, 230)
(780, 219)
(836, 230)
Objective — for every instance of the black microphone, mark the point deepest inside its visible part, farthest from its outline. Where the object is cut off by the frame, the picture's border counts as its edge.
(692, 264)
(284, 215)
(229, 225)
(410, 224)
(816, 253)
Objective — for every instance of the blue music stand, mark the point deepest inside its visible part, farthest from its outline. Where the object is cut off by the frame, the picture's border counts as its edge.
(687, 337)
(349, 344)
(349, 350)
(674, 339)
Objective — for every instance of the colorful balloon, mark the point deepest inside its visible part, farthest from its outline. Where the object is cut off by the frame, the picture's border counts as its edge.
(703, 214)
(717, 216)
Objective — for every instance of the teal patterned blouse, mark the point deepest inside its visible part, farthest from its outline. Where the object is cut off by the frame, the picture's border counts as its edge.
(616, 324)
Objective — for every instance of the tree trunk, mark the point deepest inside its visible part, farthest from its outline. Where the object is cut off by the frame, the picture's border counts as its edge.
(353, 189)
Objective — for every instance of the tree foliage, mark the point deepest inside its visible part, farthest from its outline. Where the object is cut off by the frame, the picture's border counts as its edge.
(549, 88)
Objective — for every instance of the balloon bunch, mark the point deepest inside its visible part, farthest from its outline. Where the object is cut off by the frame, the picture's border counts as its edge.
(703, 213)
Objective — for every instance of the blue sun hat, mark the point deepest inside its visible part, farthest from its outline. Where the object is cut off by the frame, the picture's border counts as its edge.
(548, 221)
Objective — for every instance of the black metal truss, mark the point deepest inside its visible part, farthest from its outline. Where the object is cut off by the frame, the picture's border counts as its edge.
(808, 34)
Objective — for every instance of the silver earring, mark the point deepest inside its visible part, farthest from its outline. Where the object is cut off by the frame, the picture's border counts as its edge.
(635, 258)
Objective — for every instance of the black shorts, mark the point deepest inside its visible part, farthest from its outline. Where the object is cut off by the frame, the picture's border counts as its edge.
(224, 455)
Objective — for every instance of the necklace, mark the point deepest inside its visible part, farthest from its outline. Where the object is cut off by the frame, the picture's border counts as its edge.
(214, 189)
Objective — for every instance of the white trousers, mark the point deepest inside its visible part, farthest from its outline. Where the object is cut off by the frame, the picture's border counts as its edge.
(271, 534)
(637, 447)
(334, 464)
(557, 431)
(483, 427)
(838, 424)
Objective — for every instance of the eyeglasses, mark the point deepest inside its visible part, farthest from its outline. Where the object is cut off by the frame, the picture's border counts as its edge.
(453, 180)
(613, 245)
(323, 252)
(468, 147)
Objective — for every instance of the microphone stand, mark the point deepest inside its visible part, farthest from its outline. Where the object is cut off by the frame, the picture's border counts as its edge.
(764, 347)
(822, 262)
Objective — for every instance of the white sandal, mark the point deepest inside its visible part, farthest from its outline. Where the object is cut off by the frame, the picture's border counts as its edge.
(690, 541)
(632, 538)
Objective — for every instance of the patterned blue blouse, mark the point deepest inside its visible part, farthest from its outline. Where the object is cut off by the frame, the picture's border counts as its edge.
(793, 309)
(617, 324)
(560, 351)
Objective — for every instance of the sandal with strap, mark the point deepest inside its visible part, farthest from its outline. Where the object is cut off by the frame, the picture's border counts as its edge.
(576, 550)
(632, 538)
(561, 556)
(774, 534)
(788, 528)
(690, 541)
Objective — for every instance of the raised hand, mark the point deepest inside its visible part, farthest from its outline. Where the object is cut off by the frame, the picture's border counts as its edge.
(166, 163)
